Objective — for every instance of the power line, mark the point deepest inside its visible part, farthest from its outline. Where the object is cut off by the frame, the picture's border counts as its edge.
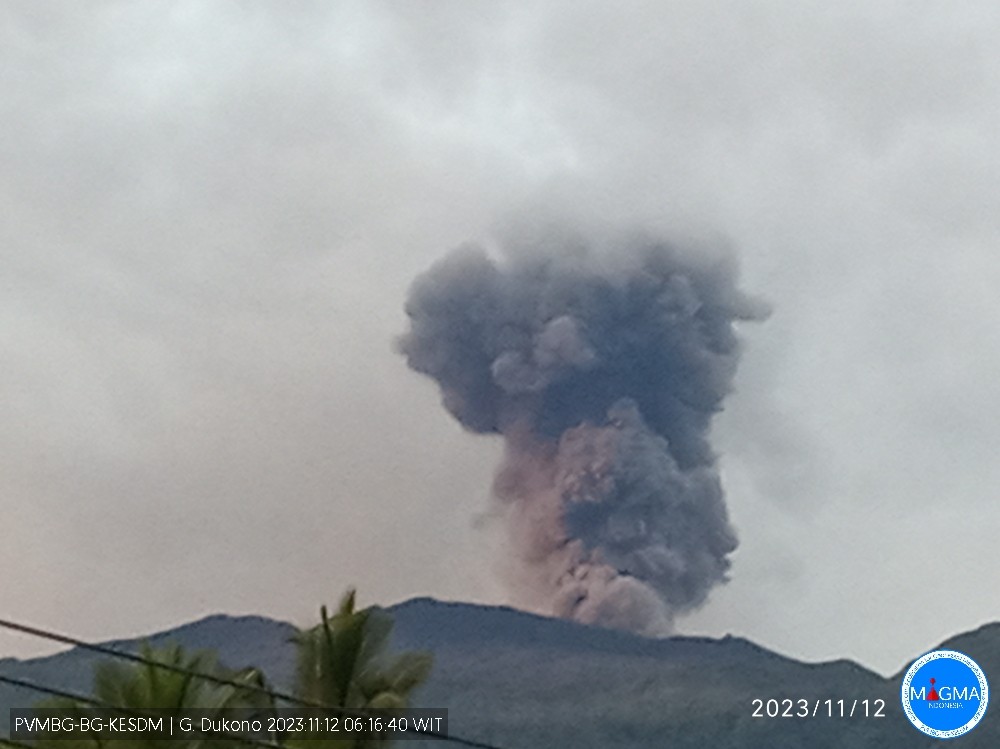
(53, 692)
(104, 650)
(220, 680)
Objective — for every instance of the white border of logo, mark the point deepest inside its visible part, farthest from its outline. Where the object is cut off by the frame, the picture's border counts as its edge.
(984, 693)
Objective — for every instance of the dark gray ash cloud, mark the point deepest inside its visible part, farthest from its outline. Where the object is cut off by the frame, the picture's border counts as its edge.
(601, 364)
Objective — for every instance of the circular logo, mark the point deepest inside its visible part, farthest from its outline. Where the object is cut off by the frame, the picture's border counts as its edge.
(945, 694)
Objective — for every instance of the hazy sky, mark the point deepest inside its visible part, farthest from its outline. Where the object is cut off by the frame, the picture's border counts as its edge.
(212, 211)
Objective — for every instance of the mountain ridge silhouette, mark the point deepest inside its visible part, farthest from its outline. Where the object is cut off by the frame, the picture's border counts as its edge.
(522, 680)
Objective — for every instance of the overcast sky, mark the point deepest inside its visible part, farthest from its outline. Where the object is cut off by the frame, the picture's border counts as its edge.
(212, 211)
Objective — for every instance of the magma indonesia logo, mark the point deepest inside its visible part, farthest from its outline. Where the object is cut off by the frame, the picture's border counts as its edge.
(945, 694)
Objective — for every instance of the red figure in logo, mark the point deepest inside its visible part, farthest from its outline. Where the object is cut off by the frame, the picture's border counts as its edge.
(933, 695)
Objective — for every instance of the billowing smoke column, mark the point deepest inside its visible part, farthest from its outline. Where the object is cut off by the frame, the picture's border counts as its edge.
(602, 370)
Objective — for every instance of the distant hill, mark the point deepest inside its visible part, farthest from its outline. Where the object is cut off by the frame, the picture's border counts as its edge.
(529, 682)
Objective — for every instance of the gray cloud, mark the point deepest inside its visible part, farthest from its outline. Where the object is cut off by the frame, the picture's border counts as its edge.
(602, 367)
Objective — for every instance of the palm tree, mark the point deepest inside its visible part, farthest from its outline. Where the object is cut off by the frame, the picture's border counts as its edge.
(148, 685)
(343, 663)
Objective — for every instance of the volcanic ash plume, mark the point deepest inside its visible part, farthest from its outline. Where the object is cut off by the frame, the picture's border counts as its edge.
(601, 369)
